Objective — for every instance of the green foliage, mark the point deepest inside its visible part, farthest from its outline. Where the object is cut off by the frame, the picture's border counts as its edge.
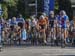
(5, 11)
(9, 8)
(56, 7)
(15, 7)
(10, 2)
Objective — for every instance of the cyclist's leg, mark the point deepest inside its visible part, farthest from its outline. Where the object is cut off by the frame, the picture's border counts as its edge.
(43, 31)
(3, 37)
(55, 37)
(59, 31)
(60, 35)
(45, 37)
(52, 36)
(0, 41)
(65, 34)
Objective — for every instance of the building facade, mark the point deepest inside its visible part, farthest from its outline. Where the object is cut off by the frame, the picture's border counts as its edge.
(73, 6)
(39, 6)
(33, 7)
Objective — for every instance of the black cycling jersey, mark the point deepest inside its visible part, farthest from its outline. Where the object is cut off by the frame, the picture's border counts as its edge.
(51, 21)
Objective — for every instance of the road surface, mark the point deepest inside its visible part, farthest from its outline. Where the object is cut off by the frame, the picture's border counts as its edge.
(37, 51)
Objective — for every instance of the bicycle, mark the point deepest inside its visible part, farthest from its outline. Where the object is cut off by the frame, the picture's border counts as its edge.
(34, 33)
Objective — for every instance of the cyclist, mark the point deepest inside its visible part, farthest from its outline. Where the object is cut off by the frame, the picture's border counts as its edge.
(63, 25)
(12, 23)
(0, 35)
(42, 25)
(20, 21)
(34, 29)
(47, 25)
(52, 24)
(72, 30)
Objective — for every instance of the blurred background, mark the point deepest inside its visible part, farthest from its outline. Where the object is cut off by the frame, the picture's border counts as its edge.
(9, 8)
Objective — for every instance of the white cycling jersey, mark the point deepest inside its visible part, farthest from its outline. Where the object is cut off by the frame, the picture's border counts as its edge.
(33, 23)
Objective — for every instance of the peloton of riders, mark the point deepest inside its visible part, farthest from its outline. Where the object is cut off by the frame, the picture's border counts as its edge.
(53, 26)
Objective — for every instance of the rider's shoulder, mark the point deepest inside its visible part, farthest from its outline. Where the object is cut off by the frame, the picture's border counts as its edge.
(66, 17)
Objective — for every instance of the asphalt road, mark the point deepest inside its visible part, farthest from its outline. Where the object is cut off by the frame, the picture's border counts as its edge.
(37, 51)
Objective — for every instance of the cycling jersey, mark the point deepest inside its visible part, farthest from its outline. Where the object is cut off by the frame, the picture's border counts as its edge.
(46, 19)
(51, 22)
(42, 22)
(26, 24)
(33, 23)
(62, 21)
(20, 22)
(13, 22)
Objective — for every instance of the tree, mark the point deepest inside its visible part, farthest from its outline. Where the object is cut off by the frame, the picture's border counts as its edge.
(12, 7)
(9, 8)
(5, 11)
(10, 2)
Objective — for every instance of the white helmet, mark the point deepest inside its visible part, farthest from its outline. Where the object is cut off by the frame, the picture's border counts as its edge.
(62, 12)
(44, 14)
(42, 17)
(52, 12)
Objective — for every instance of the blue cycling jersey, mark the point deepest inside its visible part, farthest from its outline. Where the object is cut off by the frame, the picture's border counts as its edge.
(20, 20)
(13, 22)
(62, 21)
